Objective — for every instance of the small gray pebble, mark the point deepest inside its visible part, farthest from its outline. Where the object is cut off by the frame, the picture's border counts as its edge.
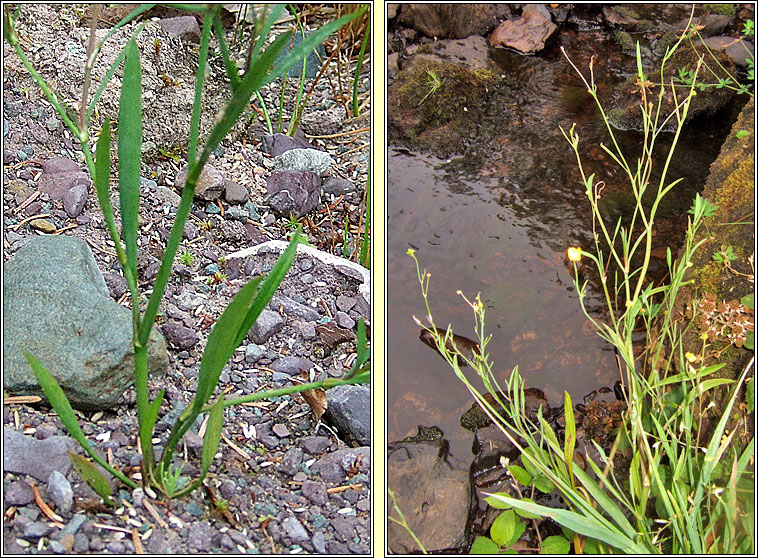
(60, 491)
(307, 279)
(306, 264)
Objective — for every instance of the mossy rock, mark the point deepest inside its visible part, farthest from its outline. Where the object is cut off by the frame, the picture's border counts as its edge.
(437, 118)
(723, 9)
(730, 185)
(626, 42)
(626, 115)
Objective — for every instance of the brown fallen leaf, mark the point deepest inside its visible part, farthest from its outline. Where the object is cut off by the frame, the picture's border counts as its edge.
(316, 398)
(465, 346)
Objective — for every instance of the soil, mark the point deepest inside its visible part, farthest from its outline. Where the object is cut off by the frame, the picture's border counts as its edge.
(270, 495)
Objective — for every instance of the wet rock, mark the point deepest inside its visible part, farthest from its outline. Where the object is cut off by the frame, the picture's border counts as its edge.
(37, 458)
(712, 24)
(626, 114)
(490, 444)
(293, 192)
(433, 490)
(57, 307)
(311, 160)
(59, 175)
(182, 27)
(738, 50)
(60, 492)
(235, 193)
(180, 336)
(470, 53)
(455, 21)
(527, 35)
(209, 186)
(75, 198)
(276, 144)
(349, 410)
(337, 186)
(265, 326)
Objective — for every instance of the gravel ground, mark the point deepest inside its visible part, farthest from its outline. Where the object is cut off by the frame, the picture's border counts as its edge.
(286, 482)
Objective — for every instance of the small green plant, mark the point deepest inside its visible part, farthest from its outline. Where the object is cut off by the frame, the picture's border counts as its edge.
(236, 320)
(292, 223)
(741, 134)
(434, 84)
(186, 258)
(217, 278)
(725, 255)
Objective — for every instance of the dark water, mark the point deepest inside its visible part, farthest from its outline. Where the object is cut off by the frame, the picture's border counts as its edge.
(498, 219)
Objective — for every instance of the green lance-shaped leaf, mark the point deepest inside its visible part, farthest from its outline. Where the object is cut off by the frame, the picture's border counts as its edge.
(60, 403)
(129, 151)
(92, 476)
(265, 30)
(570, 442)
(102, 179)
(212, 434)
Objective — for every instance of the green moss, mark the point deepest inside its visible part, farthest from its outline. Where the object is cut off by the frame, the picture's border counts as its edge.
(723, 9)
(625, 41)
(625, 11)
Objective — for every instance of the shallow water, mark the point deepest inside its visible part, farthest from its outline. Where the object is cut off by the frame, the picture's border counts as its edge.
(498, 220)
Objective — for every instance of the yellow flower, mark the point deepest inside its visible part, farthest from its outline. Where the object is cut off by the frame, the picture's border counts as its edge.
(574, 254)
(410, 251)
(691, 357)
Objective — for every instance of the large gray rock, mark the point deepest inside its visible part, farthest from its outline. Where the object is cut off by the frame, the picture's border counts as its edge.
(57, 307)
(349, 410)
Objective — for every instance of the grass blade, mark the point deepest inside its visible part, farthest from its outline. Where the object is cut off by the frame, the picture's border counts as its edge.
(212, 434)
(269, 286)
(129, 153)
(358, 69)
(365, 259)
(198, 102)
(60, 403)
(265, 30)
(92, 476)
(102, 180)
(232, 71)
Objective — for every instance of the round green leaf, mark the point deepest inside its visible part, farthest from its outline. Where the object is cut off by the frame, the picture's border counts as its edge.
(496, 503)
(526, 514)
(484, 545)
(520, 474)
(556, 544)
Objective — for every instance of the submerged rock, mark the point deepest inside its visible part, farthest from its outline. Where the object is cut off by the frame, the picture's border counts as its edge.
(433, 490)
(58, 308)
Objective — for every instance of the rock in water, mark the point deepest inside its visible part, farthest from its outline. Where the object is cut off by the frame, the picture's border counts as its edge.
(528, 34)
(57, 307)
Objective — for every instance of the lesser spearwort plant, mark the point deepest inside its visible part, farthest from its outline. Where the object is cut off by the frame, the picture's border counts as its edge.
(688, 488)
(245, 307)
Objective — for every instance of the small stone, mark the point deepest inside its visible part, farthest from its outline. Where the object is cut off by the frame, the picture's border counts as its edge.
(315, 445)
(295, 530)
(315, 492)
(36, 530)
(180, 336)
(281, 431)
(343, 320)
(291, 365)
(60, 492)
(306, 264)
(195, 510)
(18, 493)
(293, 192)
(167, 195)
(182, 27)
(116, 285)
(237, 214)
(345, 303)
(307, 279)
(267, 324)
(209, 186)
(253, 352)
(311, 160)
(210, 269)
(235, 193)
(42, 225)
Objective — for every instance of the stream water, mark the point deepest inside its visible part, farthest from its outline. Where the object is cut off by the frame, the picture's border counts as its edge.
(498, 219)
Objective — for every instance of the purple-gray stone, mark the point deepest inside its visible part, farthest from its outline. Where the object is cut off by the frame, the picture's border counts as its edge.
(37, 458)
(180, 336)
(182, 27)
(349, 410)
(267, 324)
(293, 192)
(75, 198)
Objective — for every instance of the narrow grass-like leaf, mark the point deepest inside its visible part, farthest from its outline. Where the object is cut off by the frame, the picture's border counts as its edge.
(365, 259)
(254, 79)
(151, 416)
(358, 69)
(222, 342)
(212, 434)
(102, 180)
(129, 151)
(232, 72)
(570, 435)
(60, 403)
(313, 40)
(269, 287)
(197, 105)
(92, 476)
(265, 30)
